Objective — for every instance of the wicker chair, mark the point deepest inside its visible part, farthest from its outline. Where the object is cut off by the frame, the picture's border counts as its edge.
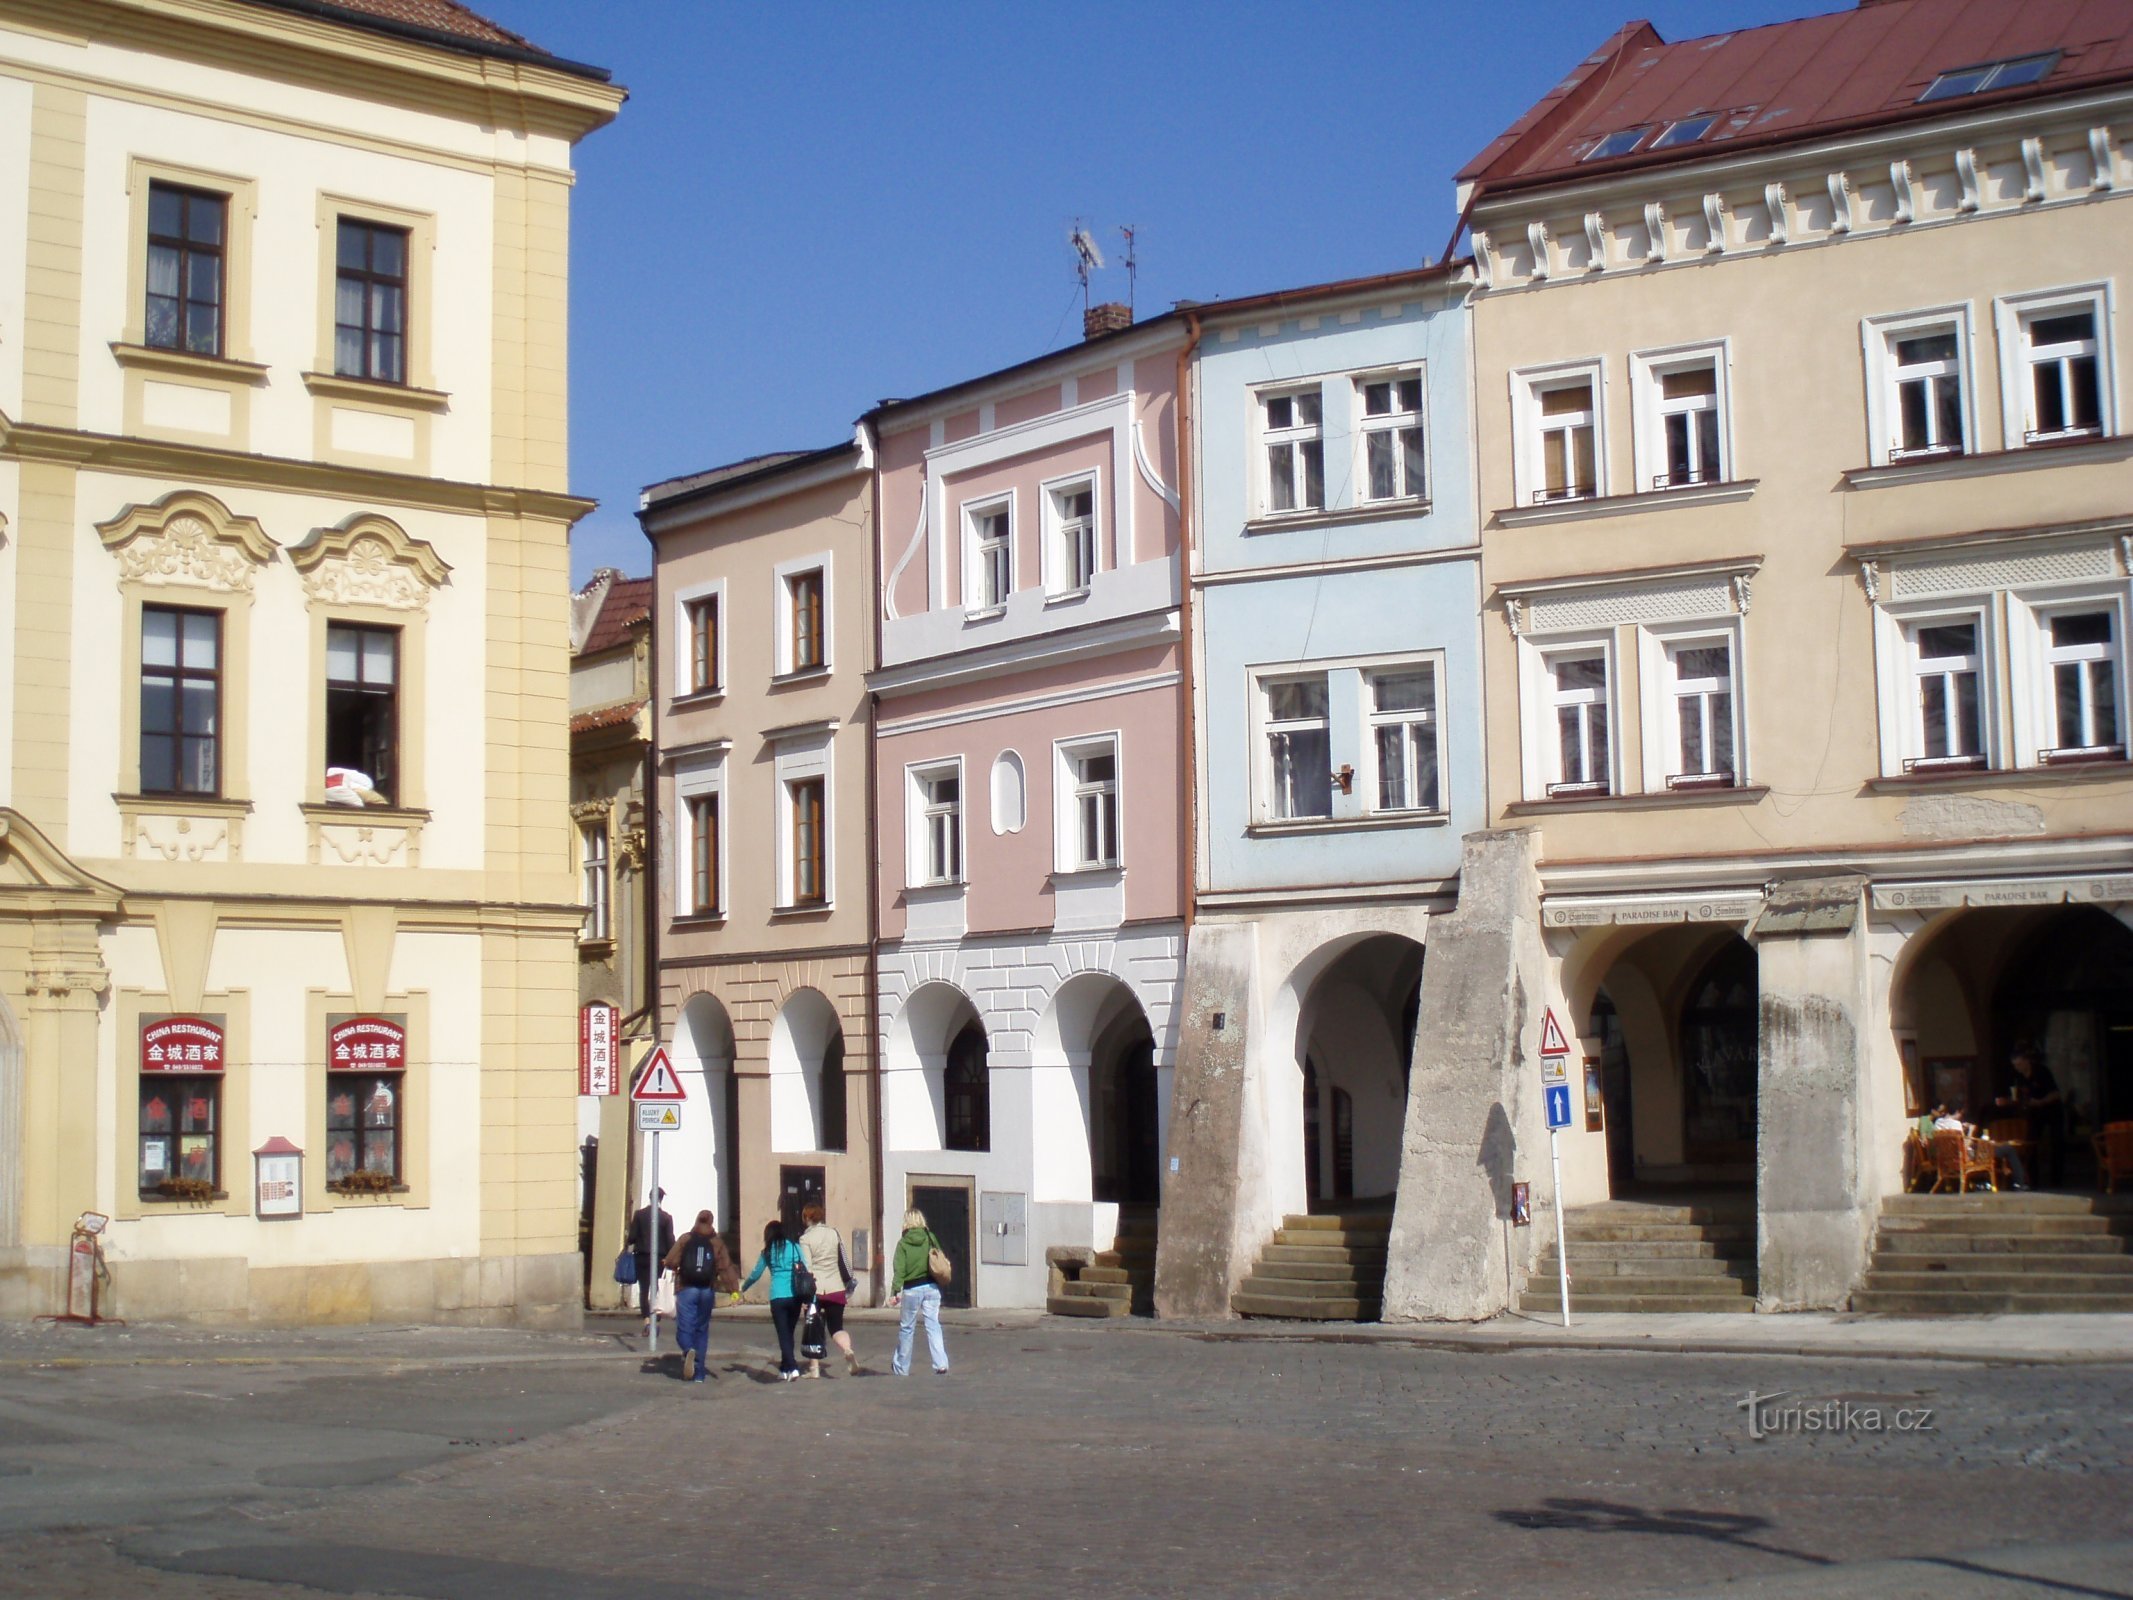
(1953, 1163)
(1917, 1163)
(2114, 1155)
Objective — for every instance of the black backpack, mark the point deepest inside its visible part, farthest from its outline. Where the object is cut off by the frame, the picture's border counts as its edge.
(699, 1261)
(803, 1277)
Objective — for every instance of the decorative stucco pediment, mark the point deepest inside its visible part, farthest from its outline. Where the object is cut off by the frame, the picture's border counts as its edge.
(188, 539)
(31, 864)
(369, 560)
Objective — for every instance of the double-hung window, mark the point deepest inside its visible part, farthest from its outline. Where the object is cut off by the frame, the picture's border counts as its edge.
(363, 708)
(1393, 459)
(1700, 693)
(2063, 391)
(701, 616)
(1073, 537)
(1947, 657)
(803, 600)
(1920, 396)
(989, 574)
(1578, 698)
(807, 803)
(1403, 731)
(2083, 660)
(938, 856)
(1299, 748)
(1094, 771)
(702, 899)
(1566, 439)
(181, 701)
(1688, 419)
(187, 235)
(1292, 432)
(593, 864)
(370, 301)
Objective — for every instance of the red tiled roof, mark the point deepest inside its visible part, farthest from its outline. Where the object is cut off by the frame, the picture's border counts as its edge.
(1803, 79)
(439, 16)
(447, 22)
(609, 717)
(626, 605)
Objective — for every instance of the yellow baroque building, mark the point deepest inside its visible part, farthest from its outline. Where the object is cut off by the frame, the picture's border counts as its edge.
(285, 854)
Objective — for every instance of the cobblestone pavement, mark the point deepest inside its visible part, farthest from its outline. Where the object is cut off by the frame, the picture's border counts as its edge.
(1058, 1458)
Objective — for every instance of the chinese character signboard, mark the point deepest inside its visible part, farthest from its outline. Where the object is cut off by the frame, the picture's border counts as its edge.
(366, 1044)
(597, 1067)
(181, 1044)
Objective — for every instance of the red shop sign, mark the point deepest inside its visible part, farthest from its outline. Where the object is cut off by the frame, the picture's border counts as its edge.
(181, 1044)
(366, 1044)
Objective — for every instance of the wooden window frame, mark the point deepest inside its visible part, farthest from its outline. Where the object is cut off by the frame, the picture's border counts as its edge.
(810, 840)
(705, 888)
(370, 278)
(180, 674)
(189, 252)
(392, 786)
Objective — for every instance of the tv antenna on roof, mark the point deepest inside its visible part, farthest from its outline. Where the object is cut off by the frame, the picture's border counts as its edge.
(1132, 265)
(1087, 257)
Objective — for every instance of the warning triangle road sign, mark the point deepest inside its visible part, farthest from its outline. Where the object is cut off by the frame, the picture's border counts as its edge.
(657, 1080)
(1552, 1041)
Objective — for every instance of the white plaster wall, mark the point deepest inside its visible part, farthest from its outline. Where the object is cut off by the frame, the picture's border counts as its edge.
(15, 97)
(688, 1158)
(1040, 1137)
(11, 508)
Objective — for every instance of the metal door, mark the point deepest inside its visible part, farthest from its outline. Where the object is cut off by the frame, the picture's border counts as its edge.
(947, 1209)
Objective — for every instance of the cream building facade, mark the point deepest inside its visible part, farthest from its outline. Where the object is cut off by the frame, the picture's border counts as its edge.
(284, 832)
(1806, 595)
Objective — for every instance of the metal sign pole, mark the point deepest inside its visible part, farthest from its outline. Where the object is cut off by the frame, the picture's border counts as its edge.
(1562, 1254)
(651, 1230)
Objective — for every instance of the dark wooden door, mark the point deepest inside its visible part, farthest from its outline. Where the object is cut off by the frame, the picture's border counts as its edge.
(947, 1209)
(798, 1187)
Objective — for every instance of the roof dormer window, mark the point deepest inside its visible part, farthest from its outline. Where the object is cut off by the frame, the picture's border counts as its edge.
(2009, 74)
(1620, 143)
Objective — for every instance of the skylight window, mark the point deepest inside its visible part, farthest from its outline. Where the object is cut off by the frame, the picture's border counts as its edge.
(1618, 144)
(1687, 131)
(2010, 74)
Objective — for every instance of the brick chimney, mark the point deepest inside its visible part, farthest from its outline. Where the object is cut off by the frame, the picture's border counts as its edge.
(1110, 317)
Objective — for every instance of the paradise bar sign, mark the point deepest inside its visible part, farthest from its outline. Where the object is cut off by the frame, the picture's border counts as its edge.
(367, 1044)
(181, 1044)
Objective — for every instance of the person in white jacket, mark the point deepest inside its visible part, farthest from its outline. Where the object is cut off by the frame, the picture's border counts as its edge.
(824, 1248)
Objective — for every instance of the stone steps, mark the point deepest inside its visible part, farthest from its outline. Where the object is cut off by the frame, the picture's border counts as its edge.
(1631, 1255)
(1585, 1267)
(1118, 1282)
(1978, 1254)
(1320, 1268)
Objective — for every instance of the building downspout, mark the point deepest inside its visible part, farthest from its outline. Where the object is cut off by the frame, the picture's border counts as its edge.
(1188, 859)
(879, 1131)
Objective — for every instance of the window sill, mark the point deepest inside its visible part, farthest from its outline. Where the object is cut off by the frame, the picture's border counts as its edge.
(322, 811)
(599, 949)
(400, 396)
(149, 1197)
(2045, 453)
(983, 614)
(2100, 771)
(1373, 511)
(937, 888)
(779, 680)
(1101, 869)
(696, 698)
(340, 1193)
(182, 805)
(1649, 800)
(1618, 505)
(1065, 597)
(1368, 823)
(185, 364)
(699, 919)
(820, 908)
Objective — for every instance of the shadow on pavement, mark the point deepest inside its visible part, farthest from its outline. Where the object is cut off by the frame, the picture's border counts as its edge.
(1601, 1516)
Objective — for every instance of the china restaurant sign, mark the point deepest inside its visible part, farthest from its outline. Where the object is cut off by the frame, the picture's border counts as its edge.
(366, 1044)
(181, 1044)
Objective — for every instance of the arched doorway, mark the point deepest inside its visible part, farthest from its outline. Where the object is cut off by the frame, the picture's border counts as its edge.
(968, 1091)
(2068, 993)
(1125, 1148)
(700, 1166)
(1719, 1060)
(1355, 1043)
(802, 1038)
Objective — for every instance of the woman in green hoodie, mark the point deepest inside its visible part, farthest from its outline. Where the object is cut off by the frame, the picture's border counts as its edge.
(912, 1288)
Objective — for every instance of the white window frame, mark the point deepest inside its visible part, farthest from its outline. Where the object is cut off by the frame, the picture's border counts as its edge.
(1659, 700)
(684, 653)
(705, 777)
(974, 556)
(921, 814)
(796, 759)
(1264, 727)
(1649, 408)
(1364, 426)
(781, 601)
(596, 879)
(1265, 437)
(1903, 737)
(2031, 669)
(1540, 748)
(1068, 792)
(1529, 470)
(1055, 559)
(2011, 315)
(1373, 720)
(1884, 413)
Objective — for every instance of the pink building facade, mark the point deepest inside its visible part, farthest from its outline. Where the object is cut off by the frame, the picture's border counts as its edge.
(1029, 769)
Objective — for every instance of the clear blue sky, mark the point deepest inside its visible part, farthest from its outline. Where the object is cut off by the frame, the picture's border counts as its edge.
(805, 208)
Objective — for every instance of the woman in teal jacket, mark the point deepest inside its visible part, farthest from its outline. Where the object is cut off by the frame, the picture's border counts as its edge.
(780, 1255)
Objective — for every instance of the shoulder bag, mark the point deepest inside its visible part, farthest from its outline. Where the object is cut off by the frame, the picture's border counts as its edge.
(626, 1267)
(937, 1262)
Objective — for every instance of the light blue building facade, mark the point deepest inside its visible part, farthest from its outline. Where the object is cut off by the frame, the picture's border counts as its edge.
(1337, 725)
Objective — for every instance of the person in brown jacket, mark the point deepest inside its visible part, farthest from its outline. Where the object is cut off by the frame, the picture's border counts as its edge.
(701, 1268)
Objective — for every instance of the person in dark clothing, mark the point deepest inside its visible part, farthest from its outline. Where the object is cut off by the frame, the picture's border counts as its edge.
(650, 1251)
(701, 1269)
(2036, 1095)
(780, 1256)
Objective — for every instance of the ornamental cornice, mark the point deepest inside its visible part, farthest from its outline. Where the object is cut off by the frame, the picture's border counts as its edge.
(187, 539)
(368, 560)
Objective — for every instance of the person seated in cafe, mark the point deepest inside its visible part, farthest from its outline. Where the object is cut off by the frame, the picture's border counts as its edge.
(2036, 1095)
(1977, 1145)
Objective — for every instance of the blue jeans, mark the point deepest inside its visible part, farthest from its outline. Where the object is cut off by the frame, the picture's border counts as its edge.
(921, 1299)
(692, 1320)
